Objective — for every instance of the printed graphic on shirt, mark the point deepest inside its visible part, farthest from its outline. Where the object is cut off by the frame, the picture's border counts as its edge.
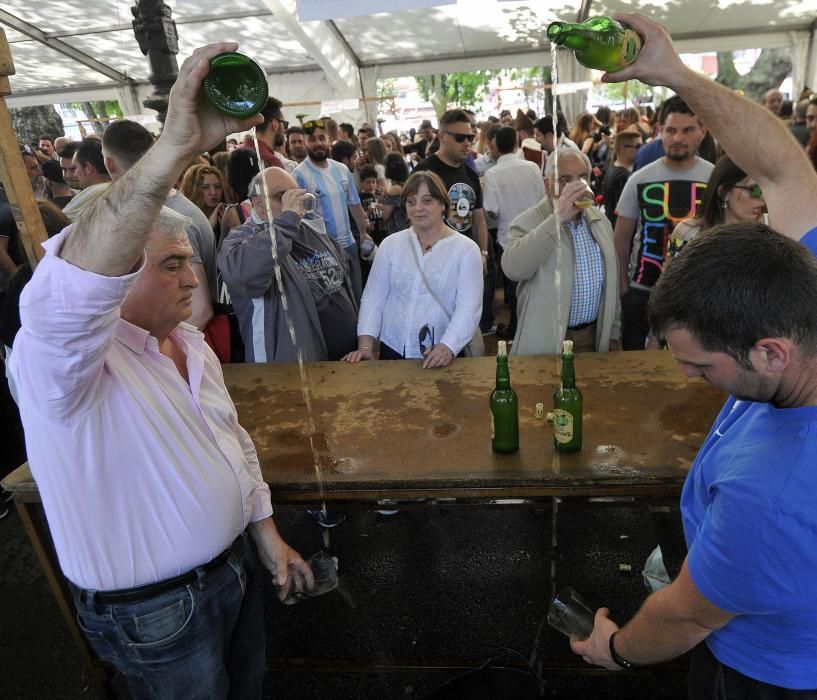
(463, 202)
(323, 274)
(662, 205)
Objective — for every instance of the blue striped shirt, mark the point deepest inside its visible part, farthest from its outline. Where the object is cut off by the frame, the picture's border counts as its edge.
(588, 278)
(335, 191)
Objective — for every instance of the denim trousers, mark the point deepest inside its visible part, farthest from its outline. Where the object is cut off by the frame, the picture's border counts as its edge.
(202, 640)
(709, 679)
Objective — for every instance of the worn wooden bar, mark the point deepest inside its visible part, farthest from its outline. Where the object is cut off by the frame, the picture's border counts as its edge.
(395, 429)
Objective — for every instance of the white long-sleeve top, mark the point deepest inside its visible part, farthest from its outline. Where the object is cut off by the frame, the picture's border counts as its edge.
(396, 303)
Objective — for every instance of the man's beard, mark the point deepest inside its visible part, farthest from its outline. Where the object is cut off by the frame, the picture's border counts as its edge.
(675, 153)
(319, 155)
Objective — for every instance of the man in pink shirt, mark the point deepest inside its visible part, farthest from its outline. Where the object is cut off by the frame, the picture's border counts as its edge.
(149, 483)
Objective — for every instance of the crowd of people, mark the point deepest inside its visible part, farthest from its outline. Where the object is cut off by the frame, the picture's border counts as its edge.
(651, 173)
(628, 231)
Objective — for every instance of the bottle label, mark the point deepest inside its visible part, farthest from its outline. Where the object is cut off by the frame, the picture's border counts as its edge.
(630, 46)
(563, 425)
(493, 427)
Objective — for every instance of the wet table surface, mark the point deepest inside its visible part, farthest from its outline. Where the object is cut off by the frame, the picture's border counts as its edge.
(394, 430)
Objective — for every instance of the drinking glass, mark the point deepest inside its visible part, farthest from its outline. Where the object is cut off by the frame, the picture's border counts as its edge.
(570, 615)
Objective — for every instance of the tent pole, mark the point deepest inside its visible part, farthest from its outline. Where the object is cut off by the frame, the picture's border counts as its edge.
(13, 172)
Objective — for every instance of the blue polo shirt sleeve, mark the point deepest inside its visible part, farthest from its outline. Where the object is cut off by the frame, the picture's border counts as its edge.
(810, 240)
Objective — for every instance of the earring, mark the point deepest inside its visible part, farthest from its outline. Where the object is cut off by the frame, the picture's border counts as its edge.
(724, 203)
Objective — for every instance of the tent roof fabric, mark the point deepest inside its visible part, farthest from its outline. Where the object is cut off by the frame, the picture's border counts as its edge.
(101, 29)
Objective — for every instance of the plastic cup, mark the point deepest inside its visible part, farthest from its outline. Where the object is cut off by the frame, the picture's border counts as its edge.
(309, 201)
(325, 572)
(570, 615)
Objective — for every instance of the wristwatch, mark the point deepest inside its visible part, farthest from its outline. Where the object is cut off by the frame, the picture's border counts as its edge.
(619, 660)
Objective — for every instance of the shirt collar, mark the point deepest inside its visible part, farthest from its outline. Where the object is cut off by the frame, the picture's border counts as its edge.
(139, 340)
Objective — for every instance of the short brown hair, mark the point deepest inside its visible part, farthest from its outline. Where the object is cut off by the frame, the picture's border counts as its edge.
(435, 185)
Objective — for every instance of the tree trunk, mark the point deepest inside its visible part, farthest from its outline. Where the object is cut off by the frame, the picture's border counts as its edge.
(91, 115)
(30, 123)
(770, 69)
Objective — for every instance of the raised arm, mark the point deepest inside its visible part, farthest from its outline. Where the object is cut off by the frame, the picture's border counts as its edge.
(754, 138)
(109, 237)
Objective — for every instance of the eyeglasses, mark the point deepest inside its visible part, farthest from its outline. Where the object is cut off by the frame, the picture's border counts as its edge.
(459, 138)
(754, 190)
(313, 124)
(426, 338)
(282, 121)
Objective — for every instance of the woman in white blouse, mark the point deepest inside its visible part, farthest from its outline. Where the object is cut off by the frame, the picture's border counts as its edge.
(411, 320)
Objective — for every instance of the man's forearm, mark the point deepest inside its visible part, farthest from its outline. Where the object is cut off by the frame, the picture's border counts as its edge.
(360, 219)
(109, 237)
(481, 229)
(755, 138)
(7, 265)
(622, 240)
(659, 631)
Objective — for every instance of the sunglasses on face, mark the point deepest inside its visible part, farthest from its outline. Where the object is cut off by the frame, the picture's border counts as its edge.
(280, 120)
(313, 124)
(459, 138)
(754, 190)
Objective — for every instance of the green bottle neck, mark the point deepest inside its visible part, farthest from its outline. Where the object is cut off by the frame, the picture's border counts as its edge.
(503, 374)
(568, 372)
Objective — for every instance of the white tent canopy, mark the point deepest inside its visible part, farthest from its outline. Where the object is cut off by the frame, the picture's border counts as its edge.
(75, 50)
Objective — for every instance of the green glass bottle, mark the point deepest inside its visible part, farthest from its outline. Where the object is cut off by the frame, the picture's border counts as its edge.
(598, 42)
(504, 407)
(567, 406)
(236, 85)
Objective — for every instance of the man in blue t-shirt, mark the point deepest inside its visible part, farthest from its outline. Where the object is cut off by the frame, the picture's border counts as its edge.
(334, 188)
(738, 307)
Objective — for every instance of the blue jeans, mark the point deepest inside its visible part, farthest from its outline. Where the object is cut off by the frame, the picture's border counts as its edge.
(203, 640)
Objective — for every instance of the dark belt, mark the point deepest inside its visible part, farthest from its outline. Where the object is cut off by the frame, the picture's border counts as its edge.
(140, 593)
(581, 327)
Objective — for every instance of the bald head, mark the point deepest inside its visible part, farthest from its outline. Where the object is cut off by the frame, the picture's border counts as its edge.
(773, 100)
(278, 181)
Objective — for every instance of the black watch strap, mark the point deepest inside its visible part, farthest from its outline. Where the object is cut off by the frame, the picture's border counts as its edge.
(619, 660)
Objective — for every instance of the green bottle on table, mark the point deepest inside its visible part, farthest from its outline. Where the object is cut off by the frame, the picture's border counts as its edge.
(504, 407)
(567, 406)
(598, 42)
(236, 85)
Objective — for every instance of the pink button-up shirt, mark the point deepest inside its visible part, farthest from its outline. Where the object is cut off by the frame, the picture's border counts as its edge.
(142, 476)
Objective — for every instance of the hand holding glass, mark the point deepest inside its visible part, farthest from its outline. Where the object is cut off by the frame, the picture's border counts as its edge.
(570, 615)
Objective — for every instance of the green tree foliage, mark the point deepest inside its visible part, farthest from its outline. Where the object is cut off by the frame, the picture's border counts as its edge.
(464, 89)
(98, 113)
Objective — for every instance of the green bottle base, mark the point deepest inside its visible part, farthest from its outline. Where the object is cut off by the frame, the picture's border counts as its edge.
(577, 448)
(505, 450)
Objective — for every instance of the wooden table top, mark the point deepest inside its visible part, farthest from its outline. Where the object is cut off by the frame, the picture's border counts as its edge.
(394, 430)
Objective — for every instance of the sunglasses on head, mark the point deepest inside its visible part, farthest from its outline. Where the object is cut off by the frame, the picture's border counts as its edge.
(754, 190)
(459, 138)
(313, 124)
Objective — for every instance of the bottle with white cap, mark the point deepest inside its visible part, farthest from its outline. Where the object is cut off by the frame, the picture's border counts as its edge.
(504, 407)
